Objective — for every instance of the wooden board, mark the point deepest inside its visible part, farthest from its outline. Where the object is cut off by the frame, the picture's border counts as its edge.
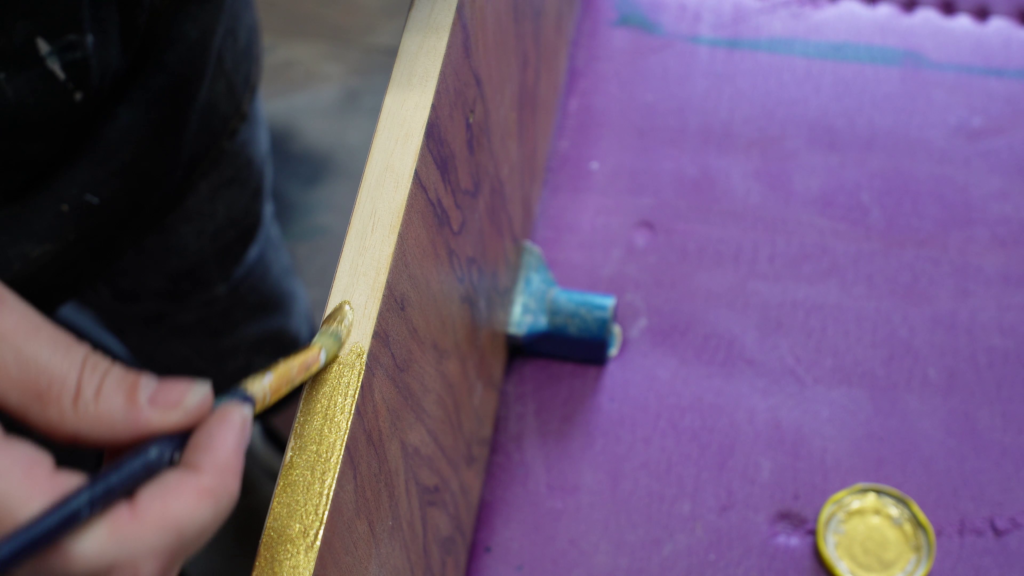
(449, 193)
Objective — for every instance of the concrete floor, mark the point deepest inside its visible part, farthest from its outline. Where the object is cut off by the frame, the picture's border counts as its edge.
(326, 66)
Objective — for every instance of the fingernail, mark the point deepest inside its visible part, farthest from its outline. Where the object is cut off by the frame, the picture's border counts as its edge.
(242, 411)
(179, 393)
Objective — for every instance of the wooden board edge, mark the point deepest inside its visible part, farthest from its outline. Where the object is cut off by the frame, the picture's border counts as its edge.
(410, 482)
(305, 486)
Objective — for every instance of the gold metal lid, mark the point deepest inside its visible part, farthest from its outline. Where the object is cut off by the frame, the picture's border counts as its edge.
(874, 530)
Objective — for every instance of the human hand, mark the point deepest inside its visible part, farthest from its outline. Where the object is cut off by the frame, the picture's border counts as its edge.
(59, 386)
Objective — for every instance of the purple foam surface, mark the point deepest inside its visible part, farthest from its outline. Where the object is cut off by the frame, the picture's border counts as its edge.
(813, 216)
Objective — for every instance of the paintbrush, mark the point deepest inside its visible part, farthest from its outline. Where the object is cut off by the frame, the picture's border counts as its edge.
(124, 476)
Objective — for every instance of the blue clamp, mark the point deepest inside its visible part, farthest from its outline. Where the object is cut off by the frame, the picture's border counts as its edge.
(547, 320)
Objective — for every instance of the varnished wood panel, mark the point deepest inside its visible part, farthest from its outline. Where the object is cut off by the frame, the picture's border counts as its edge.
(429, 264)
(407, 494)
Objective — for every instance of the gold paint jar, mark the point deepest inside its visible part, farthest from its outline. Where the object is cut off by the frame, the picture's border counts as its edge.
(874, 530)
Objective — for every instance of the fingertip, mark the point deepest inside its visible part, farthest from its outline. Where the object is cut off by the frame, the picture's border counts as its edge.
(178, 396)
(225, 434)
(242, 413)
(215, 458)
(179, 510)
(151, 406)
(168, 404)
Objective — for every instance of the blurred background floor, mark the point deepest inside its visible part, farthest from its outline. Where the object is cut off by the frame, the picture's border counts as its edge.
(326, 65)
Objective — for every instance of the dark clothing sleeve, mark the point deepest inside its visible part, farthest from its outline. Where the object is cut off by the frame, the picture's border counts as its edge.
(109, 111)
(135, 171)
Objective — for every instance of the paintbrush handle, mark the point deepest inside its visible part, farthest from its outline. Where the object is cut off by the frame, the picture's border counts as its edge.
(123, 477)
(108, 486)
(117, 481)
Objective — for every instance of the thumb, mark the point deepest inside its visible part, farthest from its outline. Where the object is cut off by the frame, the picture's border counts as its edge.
(60, 386)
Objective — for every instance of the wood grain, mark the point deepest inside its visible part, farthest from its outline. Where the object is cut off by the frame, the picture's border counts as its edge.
(449, 193)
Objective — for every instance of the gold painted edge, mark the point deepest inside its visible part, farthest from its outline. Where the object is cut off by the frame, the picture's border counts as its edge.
(915, 510)
(291, 535)
(305, 486)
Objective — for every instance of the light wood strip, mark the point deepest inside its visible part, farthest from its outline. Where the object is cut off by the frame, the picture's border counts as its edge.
(449, 193)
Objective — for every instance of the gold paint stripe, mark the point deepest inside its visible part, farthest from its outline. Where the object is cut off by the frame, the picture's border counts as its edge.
(305, 486)
(298, 513)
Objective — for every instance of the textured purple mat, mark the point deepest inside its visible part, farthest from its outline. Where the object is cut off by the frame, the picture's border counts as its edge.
(813, 214)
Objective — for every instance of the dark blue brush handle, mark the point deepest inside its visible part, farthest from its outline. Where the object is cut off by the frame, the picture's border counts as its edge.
(109, 485)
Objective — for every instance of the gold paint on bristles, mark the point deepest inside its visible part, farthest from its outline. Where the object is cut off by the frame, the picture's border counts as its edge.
(340, 318)
(305, 487)
(276, 382)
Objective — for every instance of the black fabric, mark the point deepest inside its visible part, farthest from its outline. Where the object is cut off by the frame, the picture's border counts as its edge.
(108, 111)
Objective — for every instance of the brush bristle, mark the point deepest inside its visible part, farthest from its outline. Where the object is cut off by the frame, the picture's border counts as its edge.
(336, 327)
